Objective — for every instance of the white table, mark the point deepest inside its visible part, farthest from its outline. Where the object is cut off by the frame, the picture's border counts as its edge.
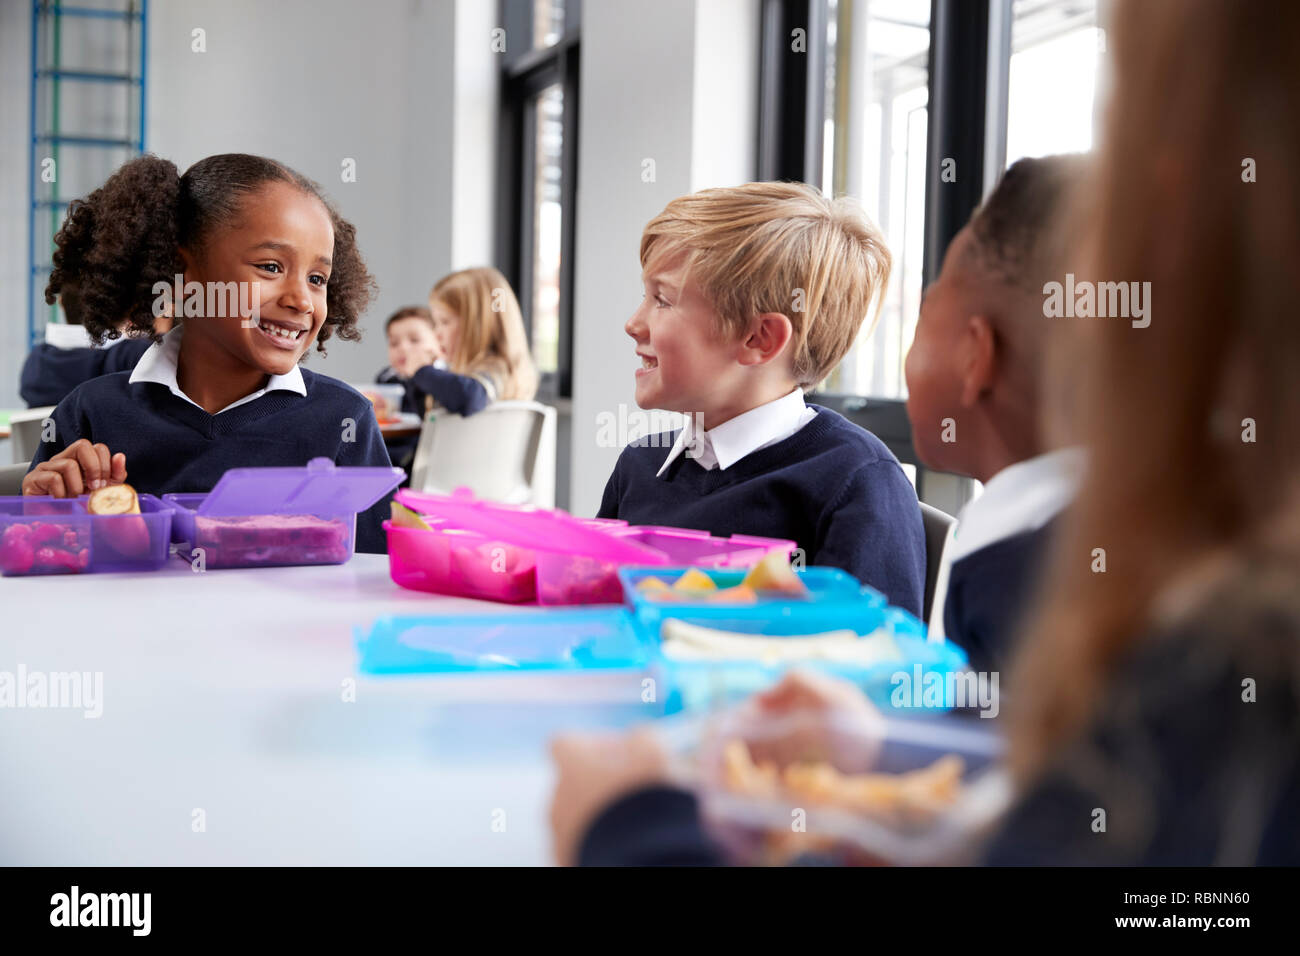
(223, 693)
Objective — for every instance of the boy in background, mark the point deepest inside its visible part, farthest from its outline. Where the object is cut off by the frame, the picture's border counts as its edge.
(975, 372)
(752, 296)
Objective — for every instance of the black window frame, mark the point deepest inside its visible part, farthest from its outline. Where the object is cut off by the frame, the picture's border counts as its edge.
(792, 98)
(525, 72)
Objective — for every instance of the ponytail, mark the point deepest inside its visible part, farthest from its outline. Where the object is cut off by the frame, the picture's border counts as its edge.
(116, 243)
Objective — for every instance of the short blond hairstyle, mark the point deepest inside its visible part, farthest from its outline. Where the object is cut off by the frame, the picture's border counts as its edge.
(778, 247)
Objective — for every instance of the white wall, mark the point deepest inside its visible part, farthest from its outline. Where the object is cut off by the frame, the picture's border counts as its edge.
(15, 82)
(673, 82)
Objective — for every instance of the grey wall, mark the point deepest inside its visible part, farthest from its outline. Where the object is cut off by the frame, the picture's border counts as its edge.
(407, 88)
(311, 83)
(673, 82)
(15, 84)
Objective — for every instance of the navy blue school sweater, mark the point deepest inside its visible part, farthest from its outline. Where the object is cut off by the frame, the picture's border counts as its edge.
(50, 373)
(458, 394)
(988, 591)
(1193, 767)
(173, 446)
(833, 488)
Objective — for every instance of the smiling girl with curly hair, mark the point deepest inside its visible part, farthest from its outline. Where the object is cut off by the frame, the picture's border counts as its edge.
(224, 388)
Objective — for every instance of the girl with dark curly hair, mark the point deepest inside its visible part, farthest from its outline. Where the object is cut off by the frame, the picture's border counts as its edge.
(224, 388)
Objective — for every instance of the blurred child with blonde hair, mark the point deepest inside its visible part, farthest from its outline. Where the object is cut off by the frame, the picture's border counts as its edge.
(480, 334)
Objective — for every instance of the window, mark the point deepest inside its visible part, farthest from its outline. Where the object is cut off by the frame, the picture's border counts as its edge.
(546, 214)
(538, 149)
(875, 149)
(875, 138)
(1056, 50)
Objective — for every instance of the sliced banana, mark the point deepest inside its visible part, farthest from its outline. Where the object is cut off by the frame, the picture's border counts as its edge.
(114, 500)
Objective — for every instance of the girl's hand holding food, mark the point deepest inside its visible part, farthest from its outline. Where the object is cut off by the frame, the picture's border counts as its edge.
(79, 469)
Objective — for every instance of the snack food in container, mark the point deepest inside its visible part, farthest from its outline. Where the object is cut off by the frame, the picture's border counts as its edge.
(574, 560)
(43, 535)
(268, 517)
(386, 399)
(843, 788)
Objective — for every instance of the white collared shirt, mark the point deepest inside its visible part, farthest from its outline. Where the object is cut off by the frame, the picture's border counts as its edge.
(1020, 498)
(159, 365)
(64, 335)
(723, 446)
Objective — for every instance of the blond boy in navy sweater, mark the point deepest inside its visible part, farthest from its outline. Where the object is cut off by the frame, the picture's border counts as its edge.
(753, 295)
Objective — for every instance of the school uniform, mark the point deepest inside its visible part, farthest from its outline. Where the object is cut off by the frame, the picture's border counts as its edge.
(995, 554)
(68, 357)
(783, 470)
(173, 445)
(1192, 766)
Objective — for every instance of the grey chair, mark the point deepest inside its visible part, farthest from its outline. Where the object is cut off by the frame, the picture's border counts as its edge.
(936, 524)
(11, 478)
(504, 453)
(25, 431)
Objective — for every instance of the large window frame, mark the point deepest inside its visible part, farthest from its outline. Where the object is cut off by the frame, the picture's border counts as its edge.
(526, 71)
(970, 50)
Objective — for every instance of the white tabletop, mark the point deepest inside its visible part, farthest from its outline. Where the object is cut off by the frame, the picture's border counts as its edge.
(223, 692)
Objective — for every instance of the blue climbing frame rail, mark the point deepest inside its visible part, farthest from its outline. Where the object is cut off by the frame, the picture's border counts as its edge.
(56, 79)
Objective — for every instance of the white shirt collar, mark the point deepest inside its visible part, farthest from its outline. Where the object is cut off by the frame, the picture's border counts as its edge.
(159, 365)
(1019, 498)
(65, 336)
(723, 446)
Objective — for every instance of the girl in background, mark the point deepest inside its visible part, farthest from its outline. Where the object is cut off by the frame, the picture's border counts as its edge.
(480, 332)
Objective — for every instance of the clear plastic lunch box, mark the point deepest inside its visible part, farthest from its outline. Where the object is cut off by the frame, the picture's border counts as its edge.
(761, 818)
(43, 535)
(386, 399)
(268, 517)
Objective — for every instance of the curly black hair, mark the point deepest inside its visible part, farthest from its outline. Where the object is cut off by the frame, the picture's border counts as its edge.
(127, 235)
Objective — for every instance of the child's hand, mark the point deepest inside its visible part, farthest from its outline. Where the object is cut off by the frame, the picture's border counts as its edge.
(77, 470)
(811, 717)
(592, 771)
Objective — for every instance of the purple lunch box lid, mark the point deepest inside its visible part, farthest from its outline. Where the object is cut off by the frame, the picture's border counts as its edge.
(541, 529)
(321, 488)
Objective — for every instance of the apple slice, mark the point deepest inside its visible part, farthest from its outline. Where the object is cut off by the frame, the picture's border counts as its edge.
(740, 594)
(694, 580)
(404, 517)
(773, 573)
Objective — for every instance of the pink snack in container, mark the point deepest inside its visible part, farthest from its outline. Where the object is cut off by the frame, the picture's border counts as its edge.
(454, 561)
(43, 535)
(268, 517)
(577, 560)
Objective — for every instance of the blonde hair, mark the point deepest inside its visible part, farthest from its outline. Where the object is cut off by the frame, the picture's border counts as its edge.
(778, 247)
(492, 338)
